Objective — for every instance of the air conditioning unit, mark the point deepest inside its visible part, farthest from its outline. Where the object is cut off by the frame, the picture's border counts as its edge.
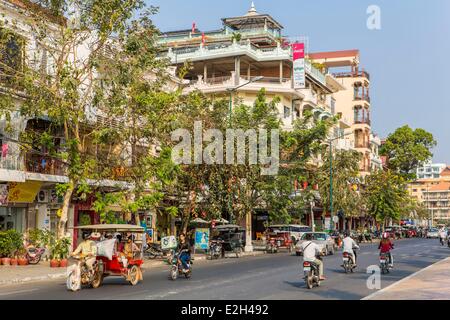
(42, 196)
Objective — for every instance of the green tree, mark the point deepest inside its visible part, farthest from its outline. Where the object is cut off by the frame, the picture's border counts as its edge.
(407, 149)
(345, 168)
(385, 193)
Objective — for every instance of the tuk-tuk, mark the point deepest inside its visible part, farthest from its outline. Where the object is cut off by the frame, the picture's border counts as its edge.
(114, 263)
(231, 236)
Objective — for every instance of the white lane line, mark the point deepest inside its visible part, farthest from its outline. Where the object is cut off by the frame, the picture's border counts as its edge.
(402, 280)
(18, 291)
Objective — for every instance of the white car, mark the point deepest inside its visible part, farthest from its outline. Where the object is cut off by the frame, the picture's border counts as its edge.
(433, 233)
(322, 239)
(295, 230)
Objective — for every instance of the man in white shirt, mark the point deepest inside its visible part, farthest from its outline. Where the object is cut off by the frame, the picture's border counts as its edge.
(442, 234)
(310, 250)
(348, 246)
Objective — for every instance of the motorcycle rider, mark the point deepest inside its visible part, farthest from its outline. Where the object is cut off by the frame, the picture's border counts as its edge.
(310, 252)
(442, 235)
(88, 250)
(184, 250)
(385, 247)
(349, 246)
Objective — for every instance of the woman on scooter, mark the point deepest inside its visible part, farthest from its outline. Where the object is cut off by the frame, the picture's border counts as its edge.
(184, 249)
(385, 247)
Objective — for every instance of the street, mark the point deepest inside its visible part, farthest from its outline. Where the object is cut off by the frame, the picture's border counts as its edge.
(275, 277)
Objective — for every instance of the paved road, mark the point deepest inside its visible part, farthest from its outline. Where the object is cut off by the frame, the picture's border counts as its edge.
(261, 277)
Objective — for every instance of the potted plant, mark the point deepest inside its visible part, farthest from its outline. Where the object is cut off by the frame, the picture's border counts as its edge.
(63, 251)
(54, 251)
(16, 243)
(5, 248)
(22, 257)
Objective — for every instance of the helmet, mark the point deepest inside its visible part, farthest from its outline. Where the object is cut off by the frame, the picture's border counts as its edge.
(95, 236)
(385, 235)
(346, 233)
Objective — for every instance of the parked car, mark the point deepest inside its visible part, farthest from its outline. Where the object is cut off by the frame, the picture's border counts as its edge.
(322, 239)
(432, 233)
(295, 230)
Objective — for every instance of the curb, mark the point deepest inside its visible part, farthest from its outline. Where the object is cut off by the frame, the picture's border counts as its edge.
(369, 297)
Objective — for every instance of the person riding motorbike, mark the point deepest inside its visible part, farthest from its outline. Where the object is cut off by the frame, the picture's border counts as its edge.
(184, 250)
(442, 235)
(88, 250)
(385, 247)
(349, 246)
(310, 252)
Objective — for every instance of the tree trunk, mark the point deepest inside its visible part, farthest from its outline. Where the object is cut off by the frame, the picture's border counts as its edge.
(65, 210)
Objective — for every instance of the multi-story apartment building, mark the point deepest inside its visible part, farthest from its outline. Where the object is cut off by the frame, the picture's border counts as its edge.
(433, 191)
(247, 54)
(28, 176)
(430, 170)
(353, 102)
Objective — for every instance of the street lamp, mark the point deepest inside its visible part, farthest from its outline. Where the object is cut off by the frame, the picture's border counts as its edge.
(331, 175)
(234, 89)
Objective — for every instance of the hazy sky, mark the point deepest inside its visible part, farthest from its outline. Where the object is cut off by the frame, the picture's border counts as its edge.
(408, 59)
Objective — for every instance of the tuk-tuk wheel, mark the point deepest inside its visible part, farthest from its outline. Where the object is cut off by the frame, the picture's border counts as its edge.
(133, 275)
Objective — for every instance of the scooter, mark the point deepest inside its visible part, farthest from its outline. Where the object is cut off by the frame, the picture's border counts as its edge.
(177, 267)
(34, 254)
(311, 274)
(78, 274)
(215, 249)
(154, 250)
(384, 263)
(347, 262)
(272, 246)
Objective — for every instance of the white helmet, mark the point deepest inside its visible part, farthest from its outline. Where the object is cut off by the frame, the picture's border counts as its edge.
(385, 235)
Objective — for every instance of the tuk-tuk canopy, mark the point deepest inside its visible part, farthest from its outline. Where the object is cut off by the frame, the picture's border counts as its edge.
(229, 226)
(113, 228)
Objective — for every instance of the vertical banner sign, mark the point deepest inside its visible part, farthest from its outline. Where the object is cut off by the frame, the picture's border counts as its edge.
(202, 238)
(298, 58)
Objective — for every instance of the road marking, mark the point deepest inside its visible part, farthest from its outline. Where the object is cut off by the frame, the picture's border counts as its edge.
(403, 280)
(18, 291)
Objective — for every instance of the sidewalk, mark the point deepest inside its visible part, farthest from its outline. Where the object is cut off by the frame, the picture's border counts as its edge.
(431, 283)
(41, 272)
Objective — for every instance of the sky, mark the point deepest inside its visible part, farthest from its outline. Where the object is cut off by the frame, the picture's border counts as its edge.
(408, 58)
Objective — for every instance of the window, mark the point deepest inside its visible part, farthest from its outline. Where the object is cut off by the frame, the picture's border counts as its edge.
(11, 55)
(287, 112)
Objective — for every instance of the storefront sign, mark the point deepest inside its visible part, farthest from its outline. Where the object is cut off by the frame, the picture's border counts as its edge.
(298, 58)
(23, 192)
(201, 238)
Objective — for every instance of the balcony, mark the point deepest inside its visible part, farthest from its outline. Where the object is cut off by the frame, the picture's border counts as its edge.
(361, 145)
(350, 74)
(226, 50)
(37, 163)
(362, 121)
(361, 97)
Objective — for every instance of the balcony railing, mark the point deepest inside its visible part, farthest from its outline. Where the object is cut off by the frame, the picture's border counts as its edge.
(359, 96)
(363, 121)
(37, 163)
(11, 163)
(351, 74)
(236, 49)
(359, 144)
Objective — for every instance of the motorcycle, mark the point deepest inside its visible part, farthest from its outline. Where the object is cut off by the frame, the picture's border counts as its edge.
(347, 262)
(272, 246)
(368, 237)
(78, 274)
(154, 250)
(177, 267)
(215, 249)
(311, 274)
(384, 263)
(34, 254)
